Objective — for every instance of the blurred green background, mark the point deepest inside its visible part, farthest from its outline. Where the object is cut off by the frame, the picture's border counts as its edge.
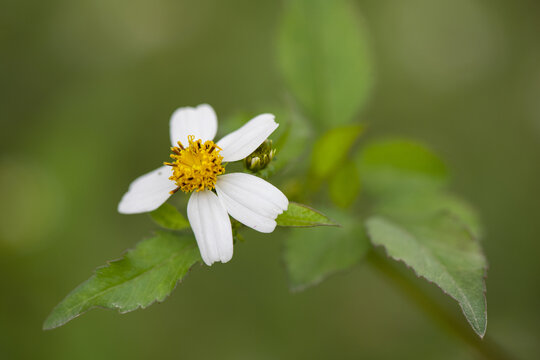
(87, 88)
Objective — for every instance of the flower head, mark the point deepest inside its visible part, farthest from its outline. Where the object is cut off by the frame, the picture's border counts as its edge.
(197, 168)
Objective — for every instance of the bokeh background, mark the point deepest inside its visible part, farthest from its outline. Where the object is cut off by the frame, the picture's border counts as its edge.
(86, 91)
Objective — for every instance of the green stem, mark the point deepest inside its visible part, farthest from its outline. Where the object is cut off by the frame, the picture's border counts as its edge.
(486, 348)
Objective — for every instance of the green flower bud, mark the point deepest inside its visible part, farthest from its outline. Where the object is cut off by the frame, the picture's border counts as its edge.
(261, 157)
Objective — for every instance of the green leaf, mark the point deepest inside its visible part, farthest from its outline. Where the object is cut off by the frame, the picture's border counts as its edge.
(389, 166)
(298, 215)
(324, 58)
(331, 149)
(169, 217)
(143, 276)
(419, 206)
(443, 251)
(291, 138)
(311, 255)
(345, 185)
(433, 232)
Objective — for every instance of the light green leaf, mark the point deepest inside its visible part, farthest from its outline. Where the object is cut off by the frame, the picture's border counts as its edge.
(443, 251)
(345, 185)
(311, 255)
(291, 138)
(324, 58)
(298, 215)
(419, 206)
(330, 150)
(143, 276)
(169, 217)
(390, 166)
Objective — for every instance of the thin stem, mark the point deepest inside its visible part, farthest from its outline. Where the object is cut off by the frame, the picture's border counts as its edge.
(486, 348)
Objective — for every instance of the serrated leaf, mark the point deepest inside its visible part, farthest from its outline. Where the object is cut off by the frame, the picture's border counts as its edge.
(345, 185)
(324, 58)
(299, 215)
(398, 165)
(311, 255)
(330, 150)
(143, 276)
(443, 251)
(169, 217)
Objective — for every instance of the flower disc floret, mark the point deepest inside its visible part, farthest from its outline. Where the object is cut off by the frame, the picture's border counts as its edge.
(196, 167)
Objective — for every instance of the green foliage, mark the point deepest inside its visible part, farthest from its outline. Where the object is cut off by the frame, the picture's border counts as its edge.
(389, 166)
(408, 181)
(298, 215)
(324, 59)
(291, 138)
(419, 223)
(313, 254)
(345, 185)
(168, 217)
(143, 276)
(443, 251)
(331, 149)
(417, 207)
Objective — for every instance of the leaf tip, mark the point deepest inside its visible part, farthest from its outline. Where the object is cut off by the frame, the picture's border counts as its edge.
(50, 324)
(480, 328)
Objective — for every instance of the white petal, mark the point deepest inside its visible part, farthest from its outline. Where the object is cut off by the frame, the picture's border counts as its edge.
(251, 200)
(200, 122)
(242, 142)
(212, 227)
(147, 192)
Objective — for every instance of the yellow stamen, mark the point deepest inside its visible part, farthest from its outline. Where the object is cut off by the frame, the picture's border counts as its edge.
(196, 167)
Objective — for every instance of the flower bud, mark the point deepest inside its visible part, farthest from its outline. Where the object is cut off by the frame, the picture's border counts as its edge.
(261, 157)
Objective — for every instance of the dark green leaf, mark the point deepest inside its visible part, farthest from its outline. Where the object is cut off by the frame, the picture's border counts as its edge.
(298, 215)
(168, 217)
(443, 251)
(390, 166)
(324, 58)
(143, 276)
(330, 150)
(313, 254)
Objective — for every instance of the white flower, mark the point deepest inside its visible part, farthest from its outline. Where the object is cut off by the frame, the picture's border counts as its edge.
(197, 169)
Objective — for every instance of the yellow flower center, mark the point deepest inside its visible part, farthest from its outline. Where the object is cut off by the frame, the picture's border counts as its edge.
(197, 166)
